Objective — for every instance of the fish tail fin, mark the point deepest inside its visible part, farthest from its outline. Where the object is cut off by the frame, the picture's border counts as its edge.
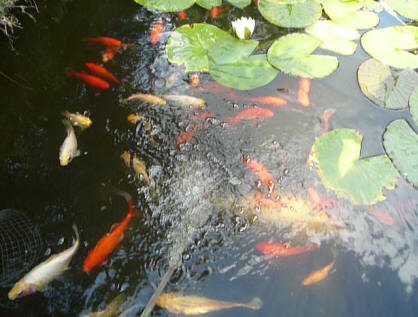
(77, 235)
(67, 124)
(65, 113)
(255, 303)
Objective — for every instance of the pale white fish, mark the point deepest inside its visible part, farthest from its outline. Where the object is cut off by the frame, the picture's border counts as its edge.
(77, 119)
(68, 149)
(186, 101)
(42, 274)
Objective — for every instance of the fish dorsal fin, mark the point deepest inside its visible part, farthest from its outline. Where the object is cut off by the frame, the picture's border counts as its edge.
(114, 227)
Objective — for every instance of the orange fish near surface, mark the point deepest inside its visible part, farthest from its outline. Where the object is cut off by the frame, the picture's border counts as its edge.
(216, 11)
(102, 72)
(105, 41)
(182, 15)
(269, 100)
(250, 114)
(261, 172)
(382, 215)
(327, 116)
(187, 136)
(318, 275)
(157, 29)
(92, 81)
(108, 244)
(281, 250)
(303, 93)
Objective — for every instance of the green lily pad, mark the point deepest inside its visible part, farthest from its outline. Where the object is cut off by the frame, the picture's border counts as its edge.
(293, 15)
(247, 73)
(391, 45)
(401, 145)
(240, 3)
(351, 14)
(406, 8)
(337, 156)
(388, 91)
(413, 105)
(334, 37)
(292, 55)
(189, 45)
(231, 49)
(209, 4)
(166, 5)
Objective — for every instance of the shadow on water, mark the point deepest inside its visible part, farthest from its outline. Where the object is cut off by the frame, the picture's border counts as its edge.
(201, 210)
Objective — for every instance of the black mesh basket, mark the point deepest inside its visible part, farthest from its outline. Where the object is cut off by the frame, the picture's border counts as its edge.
(20, 245)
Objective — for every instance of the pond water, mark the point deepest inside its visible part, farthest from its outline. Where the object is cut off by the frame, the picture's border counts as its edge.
(197, 208)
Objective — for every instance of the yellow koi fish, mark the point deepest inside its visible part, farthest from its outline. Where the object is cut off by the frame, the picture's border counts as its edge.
(318, 275)
(77, 119)
(138, 166)
(186, 101)
(151, 99)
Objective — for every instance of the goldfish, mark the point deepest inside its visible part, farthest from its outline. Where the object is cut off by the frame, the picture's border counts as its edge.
(195, 305)
(260, 171)
(250, 114)
(216, 11)
(112, 309)
(194, 80)
(265, 202)
(157, 29)
(138, 166)
(108, 244)
(109, 54)
(102, 72)
(318, 275)
(134, 118)
(68, 149)
(269, 100)
(382, 215)
(92, 81)
(78, 119)
(327, 116)
(151, 99)
(185, 137)
(303, 92)
(105, 41)
(215, 87)
(186, 101)
(42, 274)
(182, 15)
(282, 250)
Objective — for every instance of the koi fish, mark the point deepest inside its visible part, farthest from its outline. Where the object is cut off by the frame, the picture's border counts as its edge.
(92, 81)
(186, 137)
(134, 118)
(195, 305)
(327, 116)
(108, 244)
(318, 202)
(382, 215)
(318, 275)
(269, 100)
(182, 15)
(250, 114)
(216, 11)
(42, 274)
(215, 87)
(77, 119)
(138, 166)
(151, 99)
(157, 29)
(68, 149)
(268, 202)
(194, 80)
(112, 309)
(260, 171)
(105, 41)
(282, 250)
(102, 72)
(186, 101)
(109, 54)
(303, 93)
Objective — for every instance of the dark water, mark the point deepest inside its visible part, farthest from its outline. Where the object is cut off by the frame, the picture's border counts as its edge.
(194, 211)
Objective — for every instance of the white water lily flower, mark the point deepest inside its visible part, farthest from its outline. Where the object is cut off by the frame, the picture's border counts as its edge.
(243, 27)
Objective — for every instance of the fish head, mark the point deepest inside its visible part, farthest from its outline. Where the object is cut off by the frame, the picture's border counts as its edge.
(165, 300)
(86, 122)
(65, 159)
(21, 289)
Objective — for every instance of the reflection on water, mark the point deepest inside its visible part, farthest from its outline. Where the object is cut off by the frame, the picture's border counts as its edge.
(204, 209)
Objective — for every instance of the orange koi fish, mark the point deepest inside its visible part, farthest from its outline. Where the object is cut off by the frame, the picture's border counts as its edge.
(215, 87)
(260, 171)
(105, 41)
(382, 215)
(318, 201)
(102, 72)
(109, 54)
(327, 116)
(282, 250)
(216, 11)
(187, 136)
(156, 31)
(108, 244)
(303, 93)
(269, 100)
(182, 15)
(263, 201)
(318, 275)
(92, 81)
(194, 80)
(250, 114)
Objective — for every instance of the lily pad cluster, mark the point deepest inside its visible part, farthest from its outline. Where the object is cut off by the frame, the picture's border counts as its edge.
(180, 5)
